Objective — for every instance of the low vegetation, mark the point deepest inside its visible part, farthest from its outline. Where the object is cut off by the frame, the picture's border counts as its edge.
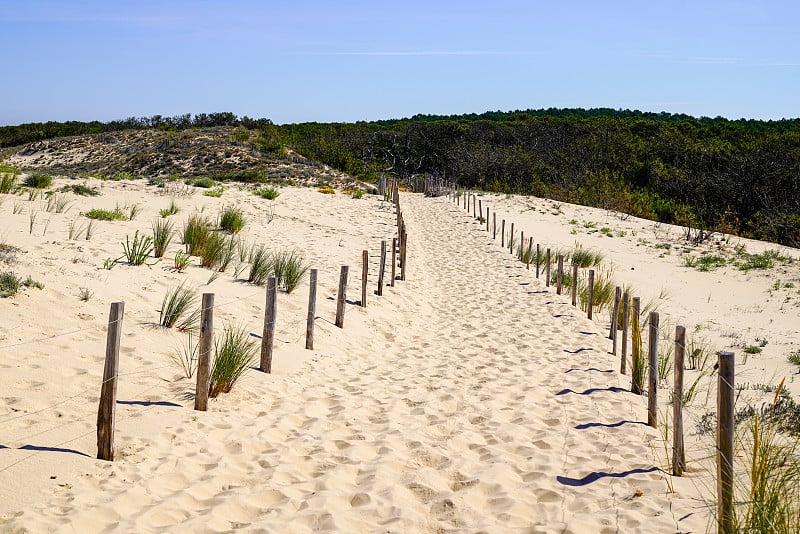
(234, 353)
(38, 181)
(270, 193)
(232, 219)
(196, 232)
(176, 308)
(107, 215)
(137, 250)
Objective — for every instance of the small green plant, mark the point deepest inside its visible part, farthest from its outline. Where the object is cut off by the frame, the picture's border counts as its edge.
(195, 234)
(585, 258)
(214, 250)
(289, 268)
(171, 210)
(603, 292)
(38, 181)
(9, 284)
(106, 215)
(30, 282)
(89, 230)
(261, 265)
(82, 190)
(181, 261)
(202, 181)
(214, 192)
(8, 182)
(186, 357)
(234, 353)
(752, 349)
(794, 357)
(704, 263)
(765, 260)
(270, 193)
(326, 190)
(110, 263)
(162, 235)
(137, 251)
(85, 294)
(232, 219)
(176, 305)
(133, 211)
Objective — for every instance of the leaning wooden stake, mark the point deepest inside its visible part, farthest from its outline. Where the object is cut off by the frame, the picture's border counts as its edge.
(270, 317)
(312, 309)
(487, 218)
(624, 352)
(342, 297)
(521, 248)
(204, 352)
(511, 240)
(560, 274)
(503, 234)
(480, 211)
(382, 268)
(590, 294)
(364, 274)
(403, 255)
(494, 225)
(528, 255)
(108, 390)
(652, 377)
(725, 433)
(394, 260)
(678, 453)
(538, 259)
(612, 335)
(547, 269)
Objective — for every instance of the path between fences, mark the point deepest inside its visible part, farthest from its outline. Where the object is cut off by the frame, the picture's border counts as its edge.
(492, 405)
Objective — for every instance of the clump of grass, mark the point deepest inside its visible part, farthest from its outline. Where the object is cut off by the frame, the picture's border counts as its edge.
(202, 181)
(176, 305)
(133, 211)
(603, 292)
(8, 182)
(162, 235)
(186, 357)
(289, 268)
(106, 215)
(327, 190)
(585, 258)
(171, 210)
(765, 260)
(214, 192)
(232, 219)
(57, 204)
(38, 181)
(8, 253)
(261, 265)
(82, 190)
(270, 193)
(218, 251)
(704, 263)
(794, 357)
(85, 294)
(638, 364)
(181, 261)
(10, 284)
(195, 234)
(752, 349)
(234, 353)
(137, 251)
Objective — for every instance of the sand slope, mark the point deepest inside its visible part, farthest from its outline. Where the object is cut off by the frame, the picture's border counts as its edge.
(469, 398)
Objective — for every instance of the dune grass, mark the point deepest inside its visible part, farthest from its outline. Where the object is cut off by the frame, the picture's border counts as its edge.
(602, 292)
(261, 265)
(8, 182)
(38, 181)
(196, 231)
(218, 251)
(181, 261)
(269, 193)
(176, 305)
(10, 284)
(162, 236)
(638, 364)
(585, 258)
(289, 267)
(137, 251)
(106, 215)
(234, 353)
(232, 219)
(172, 209)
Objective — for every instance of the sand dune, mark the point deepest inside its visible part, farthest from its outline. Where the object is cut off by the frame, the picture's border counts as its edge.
(468, 398)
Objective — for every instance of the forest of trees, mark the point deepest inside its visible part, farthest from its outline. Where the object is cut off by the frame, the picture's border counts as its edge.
(739, 176)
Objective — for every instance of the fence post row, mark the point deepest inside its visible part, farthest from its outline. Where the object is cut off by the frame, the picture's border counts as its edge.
(204, 353)
(106, 411)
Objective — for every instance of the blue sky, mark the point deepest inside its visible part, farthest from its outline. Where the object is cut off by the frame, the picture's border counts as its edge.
(305, 60)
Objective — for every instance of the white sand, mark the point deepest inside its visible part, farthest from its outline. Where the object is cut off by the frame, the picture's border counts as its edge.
(467, 398)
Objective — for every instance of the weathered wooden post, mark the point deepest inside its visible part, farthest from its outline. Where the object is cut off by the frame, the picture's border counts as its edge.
(590, 294)
(547, 269)
(204, 352)
(678, 453)
(528, 255)
(480, 211)
(403, 255)
(625, 313)
(487, 218)
(503, 234)
(106, 412)
(612, 335)
(574, 284)
(511, 240)
(560, 274)
(364, 274)
(382, 268)
(538, 259)
(521, 249)
(341, 298)
(652, 378)
(270, 317)
(394, 260)
(636, 337)
(494, 225)
(725, 433)
(312, 309)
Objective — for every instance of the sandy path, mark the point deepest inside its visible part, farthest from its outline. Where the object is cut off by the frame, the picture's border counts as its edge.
(481, 402)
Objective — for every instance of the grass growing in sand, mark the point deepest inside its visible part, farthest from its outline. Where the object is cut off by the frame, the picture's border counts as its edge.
(232, 219)
(8, 182)
(106, 215)
(196, 232)
(270, 193)
(289, 268)
(137, 251)
(10, 284)
(162, 235)
(176, 306)
(171, 210)
(234, 353)
(261, 266)
(38, 181)
(181, 261)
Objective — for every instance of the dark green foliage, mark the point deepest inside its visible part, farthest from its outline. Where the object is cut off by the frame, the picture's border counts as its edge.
(231, 219)
(270, 193)
(202, 181)
(137, 250)
(38, 181)
(106, 215)
(81, 190)
(195, 234)
(162, 235)
(9, 284)
(234, 353)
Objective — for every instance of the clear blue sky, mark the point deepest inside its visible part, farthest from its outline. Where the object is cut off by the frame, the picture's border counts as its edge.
(307, 60)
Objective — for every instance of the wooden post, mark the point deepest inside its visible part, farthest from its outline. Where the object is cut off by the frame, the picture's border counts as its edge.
(403, 255)
(560, 274)
(528, 255)
(625, 312)
(382, 268)
(494, 225)
(511, 240)
(652, 376)
(612, 335)
(312, 309)
(574, 284)
(503, 234)
(547, 269)
(474, 201)
(590, 294)
(364, 274)
(342, 297)
(521, 246)
(538, 259)
(678, 453)
(725, 431)
(394, 260)
(480, 211)
(636, 387)
(106, 412)
(270, 316)
(487, 218)
(204, 352)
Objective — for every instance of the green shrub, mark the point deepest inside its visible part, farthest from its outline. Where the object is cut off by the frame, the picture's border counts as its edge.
(8, 182)
(9, 284)
(289, 268)
(176, 305)
(234, 353)
(162, 235)
(202, 181)
(106, 215)
(136, 251)
(232, 219)
(80, 190)
(38, 181)
(704, 263)
(195, 234)
(214, 192)
(765, 260)
(327, 190)
(270, 193)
